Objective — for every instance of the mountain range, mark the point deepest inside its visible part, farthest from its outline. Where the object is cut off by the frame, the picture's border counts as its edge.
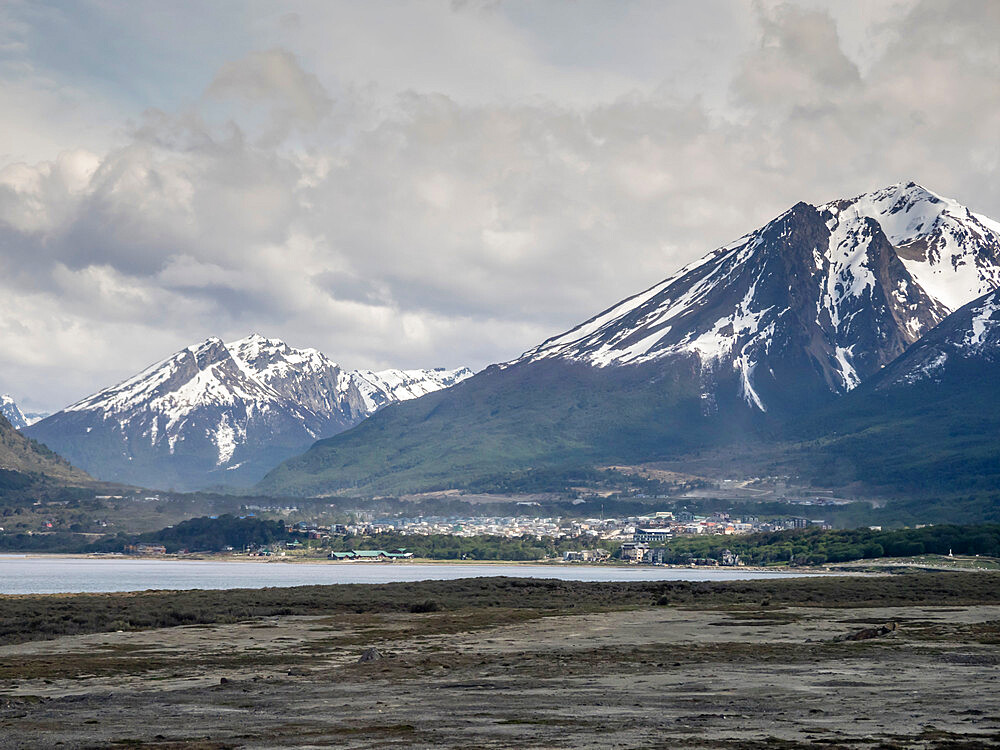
(223, 414)
(763, 332)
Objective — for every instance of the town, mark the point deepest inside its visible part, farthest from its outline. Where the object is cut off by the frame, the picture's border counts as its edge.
(634, 539)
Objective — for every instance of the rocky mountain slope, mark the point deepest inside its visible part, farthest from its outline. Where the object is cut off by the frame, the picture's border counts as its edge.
(926, 427)
(23, 462)
(10, 410)
(967, 340)
(218, 413)
(775, 324)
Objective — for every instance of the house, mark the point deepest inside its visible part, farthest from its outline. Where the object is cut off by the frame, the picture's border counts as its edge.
(659, 556)
(729, 558)
(634, 552)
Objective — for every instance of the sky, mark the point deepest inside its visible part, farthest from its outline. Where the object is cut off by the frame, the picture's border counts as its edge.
(435, 183)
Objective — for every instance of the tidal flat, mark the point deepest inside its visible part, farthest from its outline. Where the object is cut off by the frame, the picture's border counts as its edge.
(489, 663)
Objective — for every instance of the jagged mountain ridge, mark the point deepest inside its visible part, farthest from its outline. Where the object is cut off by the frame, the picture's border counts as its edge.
(218, 413)
(770, 327)
(827, 293)
(12, 412)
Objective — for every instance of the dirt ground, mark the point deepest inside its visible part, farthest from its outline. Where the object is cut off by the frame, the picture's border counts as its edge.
(492, 677)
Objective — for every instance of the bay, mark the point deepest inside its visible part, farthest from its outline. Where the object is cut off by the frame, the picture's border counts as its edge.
(22, 574)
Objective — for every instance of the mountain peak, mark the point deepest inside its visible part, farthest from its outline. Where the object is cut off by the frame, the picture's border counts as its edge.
(839, 289)
(256, 339)
(211, 351)
(210, 343)
(951, 253)
(905, 211)
(10, 409)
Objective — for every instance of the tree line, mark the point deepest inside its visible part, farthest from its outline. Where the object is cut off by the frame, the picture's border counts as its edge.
(820, 546)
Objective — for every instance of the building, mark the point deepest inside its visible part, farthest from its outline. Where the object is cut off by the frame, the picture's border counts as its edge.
(371, 554)
(585, 555)
(147, 549)
(651, 536)
(729, 558)
(659, 555)
(634, 552)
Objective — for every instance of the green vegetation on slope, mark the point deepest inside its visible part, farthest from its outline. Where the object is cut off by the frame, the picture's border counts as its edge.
(549, 415)
(933, 446)
(25, 464)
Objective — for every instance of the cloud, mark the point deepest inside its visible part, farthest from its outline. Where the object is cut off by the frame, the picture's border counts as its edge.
(799, 64)
(458, 197)
(274, 80)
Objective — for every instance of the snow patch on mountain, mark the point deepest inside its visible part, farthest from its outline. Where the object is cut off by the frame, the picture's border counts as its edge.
(985, 321)
(951, 252)
(382, 387)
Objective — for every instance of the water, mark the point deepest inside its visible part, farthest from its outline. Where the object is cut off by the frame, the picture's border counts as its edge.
(21, 574)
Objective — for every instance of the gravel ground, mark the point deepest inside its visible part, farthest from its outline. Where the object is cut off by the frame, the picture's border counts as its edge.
(494, 677)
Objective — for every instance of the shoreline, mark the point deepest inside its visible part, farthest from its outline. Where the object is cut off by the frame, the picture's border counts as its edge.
(422, 561)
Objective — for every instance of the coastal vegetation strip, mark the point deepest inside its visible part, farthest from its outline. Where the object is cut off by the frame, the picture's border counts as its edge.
(821, 546)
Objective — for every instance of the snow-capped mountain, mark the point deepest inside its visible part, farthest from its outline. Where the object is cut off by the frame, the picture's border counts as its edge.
(222, 413)
(10, 409)
(783, 320)
(815, 301)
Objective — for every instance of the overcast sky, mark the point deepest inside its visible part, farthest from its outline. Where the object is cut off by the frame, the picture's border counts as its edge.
(420, 184)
